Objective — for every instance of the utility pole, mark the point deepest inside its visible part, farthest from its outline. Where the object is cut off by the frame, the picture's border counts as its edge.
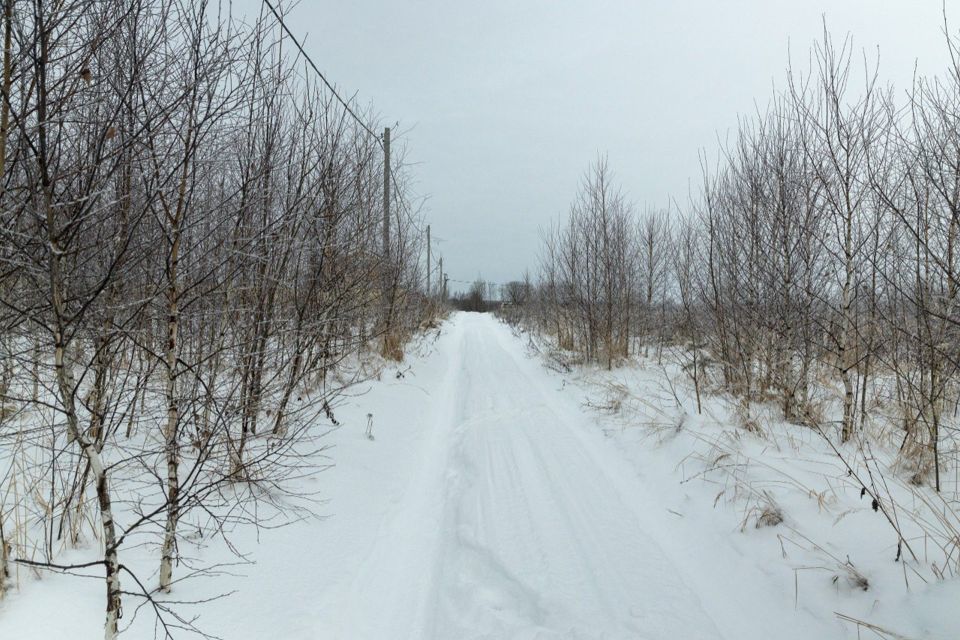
(386, 236)
(428, 262)
(442, 283)
(386, 196)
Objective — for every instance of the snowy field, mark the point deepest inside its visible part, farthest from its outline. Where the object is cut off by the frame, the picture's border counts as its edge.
(500, 499)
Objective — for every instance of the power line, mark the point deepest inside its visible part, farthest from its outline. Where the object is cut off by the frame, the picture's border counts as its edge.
(487, 282)
(346, 105)
(309, 60)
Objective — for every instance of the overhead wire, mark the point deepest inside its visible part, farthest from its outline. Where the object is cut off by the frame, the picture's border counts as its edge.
(346, 105)
(306, 56)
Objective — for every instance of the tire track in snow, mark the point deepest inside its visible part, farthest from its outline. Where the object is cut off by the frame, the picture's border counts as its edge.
(512, 528)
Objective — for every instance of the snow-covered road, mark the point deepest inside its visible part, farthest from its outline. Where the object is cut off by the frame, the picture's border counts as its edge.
(514, 525)
(489, 505)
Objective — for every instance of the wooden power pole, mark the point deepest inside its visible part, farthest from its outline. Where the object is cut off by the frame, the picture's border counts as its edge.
(428, 262)
(387, 271)
(386, 196)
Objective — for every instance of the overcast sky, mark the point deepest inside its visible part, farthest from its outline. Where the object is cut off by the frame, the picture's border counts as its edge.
(507, 102)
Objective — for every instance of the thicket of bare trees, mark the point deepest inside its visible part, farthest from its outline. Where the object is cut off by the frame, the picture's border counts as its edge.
(603, 272)
(190, 245)
(818, 256)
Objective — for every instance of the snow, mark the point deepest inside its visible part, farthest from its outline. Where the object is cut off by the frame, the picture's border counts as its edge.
(715, 478)
(513, 527)
(494, 503)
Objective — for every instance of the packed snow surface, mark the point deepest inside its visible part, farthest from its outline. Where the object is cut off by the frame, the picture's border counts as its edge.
(488, 505)
(515, 525)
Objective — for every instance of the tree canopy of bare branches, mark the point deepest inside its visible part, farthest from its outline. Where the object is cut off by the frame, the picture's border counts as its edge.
(190, 247)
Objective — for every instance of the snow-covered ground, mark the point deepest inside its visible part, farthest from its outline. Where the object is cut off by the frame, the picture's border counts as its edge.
(494, 503)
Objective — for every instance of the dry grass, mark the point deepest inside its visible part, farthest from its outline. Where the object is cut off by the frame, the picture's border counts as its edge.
(770, 515)
(877, 631)
(392, 347)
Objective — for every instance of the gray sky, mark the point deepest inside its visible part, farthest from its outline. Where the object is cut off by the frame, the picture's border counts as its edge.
(508, 101)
